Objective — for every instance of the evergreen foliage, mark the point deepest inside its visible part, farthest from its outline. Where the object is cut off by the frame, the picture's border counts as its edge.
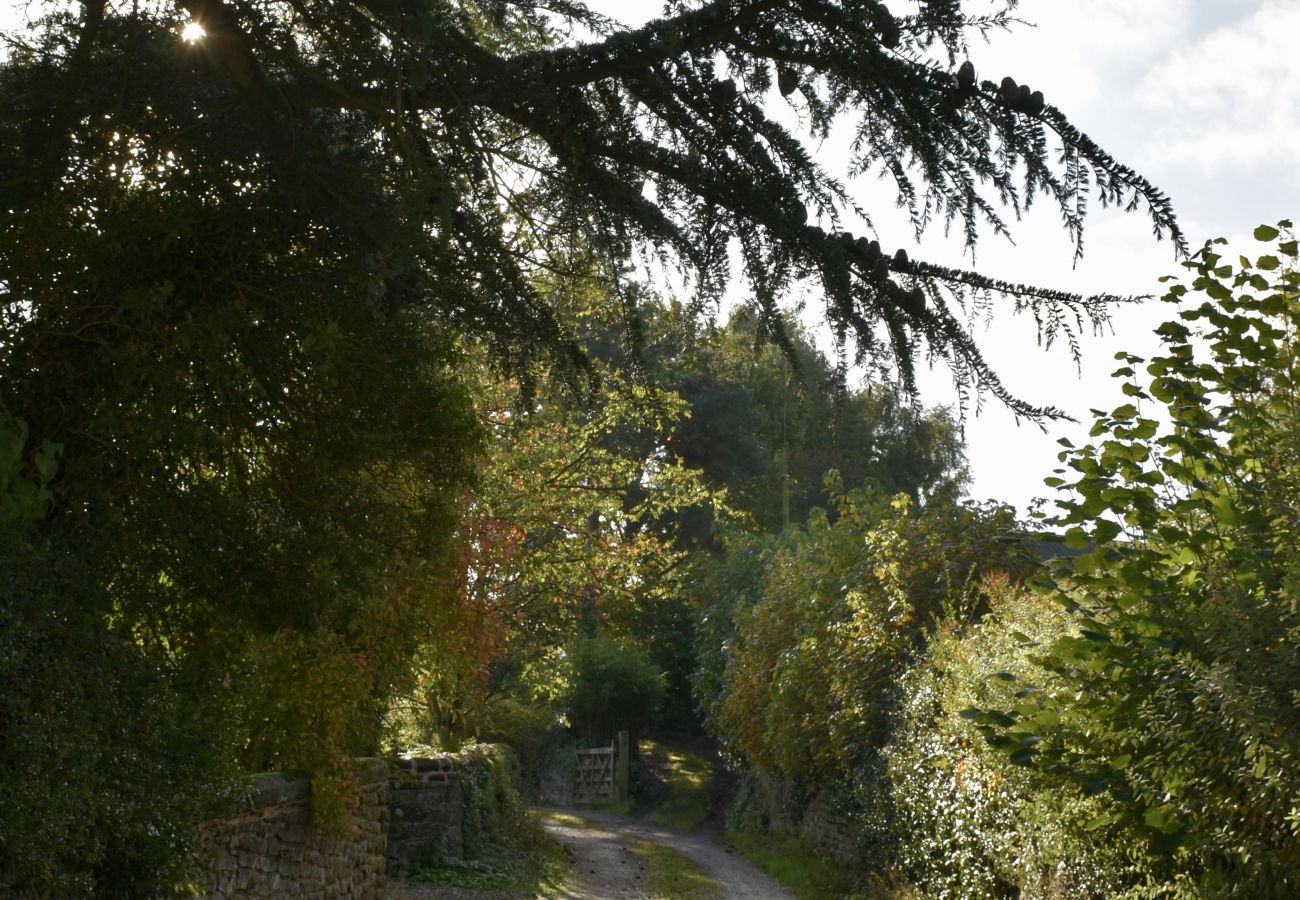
(768, 425)
(464, 146)
(613, 688)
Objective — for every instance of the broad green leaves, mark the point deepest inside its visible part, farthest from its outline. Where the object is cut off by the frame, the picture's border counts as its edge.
(25, 495)
(1182, 673)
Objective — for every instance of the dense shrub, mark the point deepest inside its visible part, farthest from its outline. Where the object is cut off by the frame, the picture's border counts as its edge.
(841, 609)
(102, 765)
(1175, 692)
(952, 815)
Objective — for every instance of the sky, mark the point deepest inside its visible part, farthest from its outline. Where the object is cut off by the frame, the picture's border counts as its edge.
(1200, 96)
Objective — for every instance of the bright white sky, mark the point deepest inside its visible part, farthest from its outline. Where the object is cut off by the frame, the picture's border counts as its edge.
(1201, 96)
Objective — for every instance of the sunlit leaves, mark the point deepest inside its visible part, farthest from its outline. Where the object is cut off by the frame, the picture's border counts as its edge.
(1186, 614)
(838, 614)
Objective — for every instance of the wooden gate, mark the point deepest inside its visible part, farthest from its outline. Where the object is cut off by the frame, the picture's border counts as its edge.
(593, 781)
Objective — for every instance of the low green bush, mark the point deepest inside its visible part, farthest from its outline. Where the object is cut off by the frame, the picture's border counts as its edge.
(953, 816)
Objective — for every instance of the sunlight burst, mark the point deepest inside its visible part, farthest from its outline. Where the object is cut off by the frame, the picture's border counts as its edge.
(192, 32)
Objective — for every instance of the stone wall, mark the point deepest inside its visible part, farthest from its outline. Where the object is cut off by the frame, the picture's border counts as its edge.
(260, 843)
(825, 828)
(766, 804)
(446, 806)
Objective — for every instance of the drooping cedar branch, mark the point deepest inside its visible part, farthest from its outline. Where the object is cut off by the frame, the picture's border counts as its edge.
(505, 137)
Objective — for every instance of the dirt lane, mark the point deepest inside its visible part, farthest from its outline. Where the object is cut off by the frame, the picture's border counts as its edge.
(604, 864)
(605, 867)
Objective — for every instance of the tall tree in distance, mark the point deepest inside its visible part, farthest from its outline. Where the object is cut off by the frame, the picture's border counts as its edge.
(767, 423)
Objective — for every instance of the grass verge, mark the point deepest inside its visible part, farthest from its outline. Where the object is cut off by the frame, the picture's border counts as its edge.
(689, 778)
(671, 876)
(618, 807)
(564, 818)
(807, 875)
(536, 867)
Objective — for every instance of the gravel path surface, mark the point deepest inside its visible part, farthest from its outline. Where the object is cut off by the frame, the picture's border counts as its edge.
(605, 867)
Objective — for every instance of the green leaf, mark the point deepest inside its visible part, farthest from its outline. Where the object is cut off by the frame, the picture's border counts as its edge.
(1268, 263)
(1158, 817)
(1225, 510)
(1106, 531)
(1218, 291)
(1095, 786)
(1098, 822)
(1266, 233)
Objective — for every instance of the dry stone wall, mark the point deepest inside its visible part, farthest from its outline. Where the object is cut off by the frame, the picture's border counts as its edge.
(427, 806)
(260, 842)
(766, 804)
(445, 806)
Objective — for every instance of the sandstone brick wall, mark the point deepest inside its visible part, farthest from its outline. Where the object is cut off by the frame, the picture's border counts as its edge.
(260, 843)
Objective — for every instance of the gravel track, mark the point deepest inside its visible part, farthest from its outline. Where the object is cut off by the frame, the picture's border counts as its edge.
(605, 867)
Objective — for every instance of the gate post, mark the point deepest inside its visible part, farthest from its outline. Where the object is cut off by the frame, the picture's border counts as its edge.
(621, 777)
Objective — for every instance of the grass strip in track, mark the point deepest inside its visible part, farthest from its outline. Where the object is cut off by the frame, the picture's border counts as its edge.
(690, 786)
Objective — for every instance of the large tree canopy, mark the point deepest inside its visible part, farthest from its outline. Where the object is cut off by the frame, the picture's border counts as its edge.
(485, 136)
(240, 275)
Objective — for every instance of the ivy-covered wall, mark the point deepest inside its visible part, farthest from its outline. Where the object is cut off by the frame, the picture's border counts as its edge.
(768, 804)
